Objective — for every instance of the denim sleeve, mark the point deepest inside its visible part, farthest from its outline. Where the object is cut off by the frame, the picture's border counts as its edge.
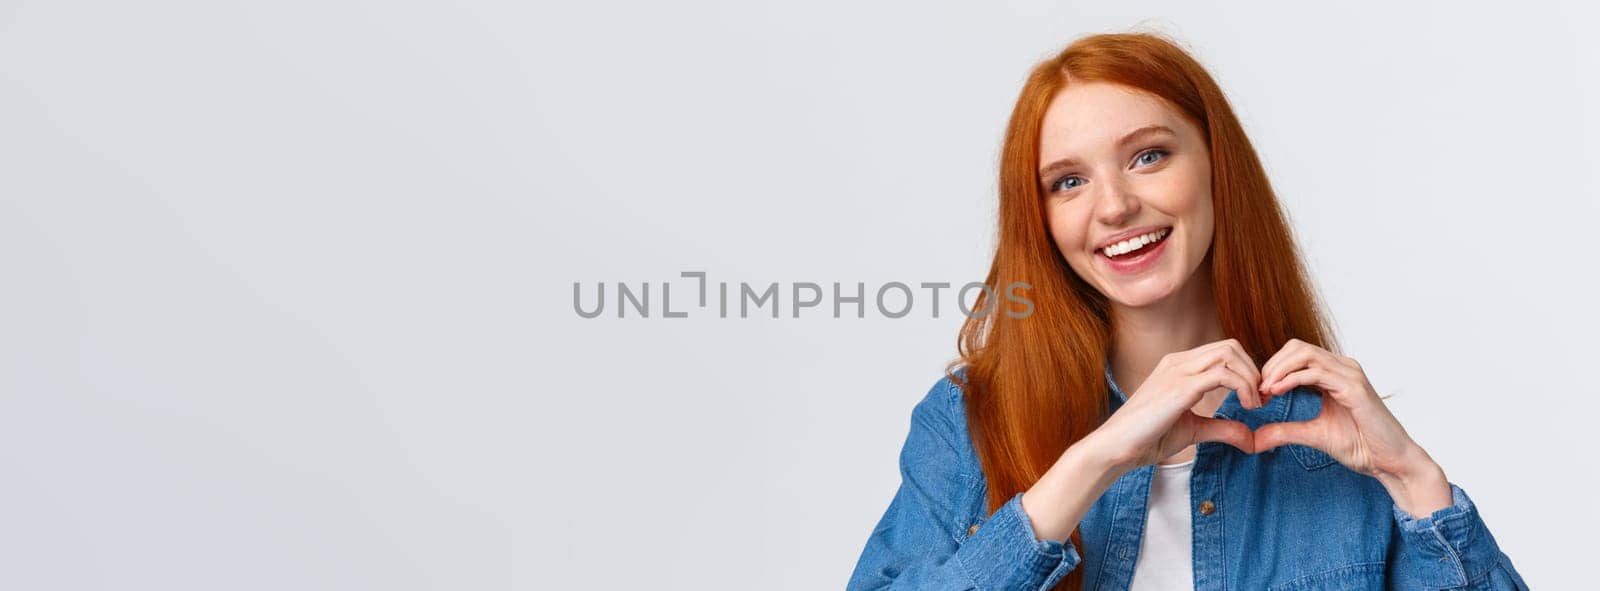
(918, 543)
(1450, 549)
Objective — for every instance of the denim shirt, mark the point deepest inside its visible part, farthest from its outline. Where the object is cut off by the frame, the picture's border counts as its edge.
(1290, 518)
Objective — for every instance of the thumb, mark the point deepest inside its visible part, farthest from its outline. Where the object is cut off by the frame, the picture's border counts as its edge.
(1273, 435)
(1231, 432)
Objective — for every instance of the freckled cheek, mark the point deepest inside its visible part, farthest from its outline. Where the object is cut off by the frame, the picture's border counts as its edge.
(1068, 229)
(1191, 199)
(1175, 195)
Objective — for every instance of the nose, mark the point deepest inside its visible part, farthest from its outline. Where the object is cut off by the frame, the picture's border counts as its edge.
(1115, 203)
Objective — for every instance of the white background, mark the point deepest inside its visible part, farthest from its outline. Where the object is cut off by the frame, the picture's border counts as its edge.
(287, 286)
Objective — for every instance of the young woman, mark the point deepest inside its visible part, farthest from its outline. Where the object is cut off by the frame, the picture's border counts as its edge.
(1250, 454)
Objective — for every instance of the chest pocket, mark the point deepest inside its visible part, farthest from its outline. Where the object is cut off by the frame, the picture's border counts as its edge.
(1311, 458)
(1305, 405)
(1355, 577)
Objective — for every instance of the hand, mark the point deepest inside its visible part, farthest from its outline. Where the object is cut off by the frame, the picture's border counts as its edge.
(1156, 421)
(1354, 426)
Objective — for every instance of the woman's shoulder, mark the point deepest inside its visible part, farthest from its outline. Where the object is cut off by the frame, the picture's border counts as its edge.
(944, 400)
(939, 420)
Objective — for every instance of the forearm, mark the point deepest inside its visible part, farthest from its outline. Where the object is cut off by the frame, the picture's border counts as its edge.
(1062, 496)
(1419, 487)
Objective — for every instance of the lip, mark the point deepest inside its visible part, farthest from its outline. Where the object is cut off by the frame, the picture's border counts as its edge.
(1145, 260)
(1120, 236)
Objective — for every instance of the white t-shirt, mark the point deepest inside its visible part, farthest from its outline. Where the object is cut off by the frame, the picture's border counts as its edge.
(1166, 560)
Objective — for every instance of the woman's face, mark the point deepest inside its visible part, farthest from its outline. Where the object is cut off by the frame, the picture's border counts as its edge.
(1117, 164)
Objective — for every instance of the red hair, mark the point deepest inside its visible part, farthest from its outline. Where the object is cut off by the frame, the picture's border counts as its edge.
(1035, 385)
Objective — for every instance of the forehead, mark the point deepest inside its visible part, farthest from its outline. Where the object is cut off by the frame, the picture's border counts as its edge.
(1089, 117)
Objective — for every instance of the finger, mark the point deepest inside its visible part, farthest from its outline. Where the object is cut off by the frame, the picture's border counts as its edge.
(1201, 358)
(1250, 397)
(1329, 382)
(1271, 370)
(1337, 383)
(1231, 432)
(1289, 361)
(1220, 376)
(1307, 433)
(1238, 348)
(1230, 353)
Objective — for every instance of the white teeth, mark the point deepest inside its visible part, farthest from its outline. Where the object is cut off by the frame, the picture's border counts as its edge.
(1135, 243)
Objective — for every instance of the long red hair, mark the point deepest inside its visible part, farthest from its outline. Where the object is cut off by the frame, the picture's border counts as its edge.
(1035, 385)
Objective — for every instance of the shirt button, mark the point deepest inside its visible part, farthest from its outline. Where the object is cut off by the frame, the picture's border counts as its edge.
(1207, 507)
(972, 530)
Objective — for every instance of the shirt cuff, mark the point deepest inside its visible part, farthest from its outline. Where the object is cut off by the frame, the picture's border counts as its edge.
(1005, 553)
(1454, 541)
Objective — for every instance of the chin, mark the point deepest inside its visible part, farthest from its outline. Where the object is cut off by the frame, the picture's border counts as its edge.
(1142, 295)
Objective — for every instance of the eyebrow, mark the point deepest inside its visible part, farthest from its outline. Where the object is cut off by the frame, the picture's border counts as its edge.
(1132, 136)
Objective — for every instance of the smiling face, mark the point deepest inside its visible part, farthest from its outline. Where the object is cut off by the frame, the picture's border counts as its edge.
(1121, 169)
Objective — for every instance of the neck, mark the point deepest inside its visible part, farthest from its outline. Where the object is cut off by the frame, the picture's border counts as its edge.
(1142, 335)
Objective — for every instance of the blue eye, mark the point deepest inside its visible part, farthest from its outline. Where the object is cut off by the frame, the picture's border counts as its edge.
(1062, 183)
(1145, 157)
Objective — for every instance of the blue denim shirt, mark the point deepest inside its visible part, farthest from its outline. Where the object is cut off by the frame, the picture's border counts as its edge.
(1291, 518)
